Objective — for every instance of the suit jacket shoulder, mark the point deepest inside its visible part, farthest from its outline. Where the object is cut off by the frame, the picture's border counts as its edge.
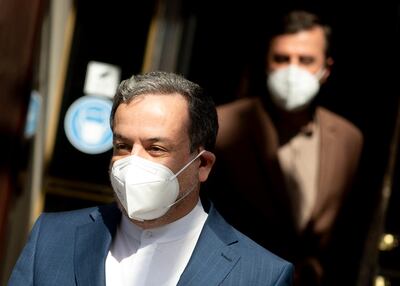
(245, 120)
(340, 124)
(67, 248)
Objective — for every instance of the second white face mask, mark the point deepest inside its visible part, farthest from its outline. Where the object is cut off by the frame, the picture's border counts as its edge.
(292, 88)
(145, 189)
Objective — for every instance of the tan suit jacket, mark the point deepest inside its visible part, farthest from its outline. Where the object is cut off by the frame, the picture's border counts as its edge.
(251, 192)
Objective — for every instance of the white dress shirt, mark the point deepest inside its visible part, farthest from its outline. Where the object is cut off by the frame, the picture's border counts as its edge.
(155, 256)
(299, 161)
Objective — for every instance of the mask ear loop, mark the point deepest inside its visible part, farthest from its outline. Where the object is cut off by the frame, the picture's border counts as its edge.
(187, 165)
(181, 198)
(184, 167)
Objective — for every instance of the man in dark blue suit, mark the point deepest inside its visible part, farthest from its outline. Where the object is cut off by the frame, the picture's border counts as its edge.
(159, 232)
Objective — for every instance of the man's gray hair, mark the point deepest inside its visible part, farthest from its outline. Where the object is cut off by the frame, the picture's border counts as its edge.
(203, 125)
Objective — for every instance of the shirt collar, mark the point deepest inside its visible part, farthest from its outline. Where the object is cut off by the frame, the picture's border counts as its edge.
(166, 233)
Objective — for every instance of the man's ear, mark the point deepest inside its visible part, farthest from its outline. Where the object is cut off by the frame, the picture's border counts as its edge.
(207, 160)
(328, 67)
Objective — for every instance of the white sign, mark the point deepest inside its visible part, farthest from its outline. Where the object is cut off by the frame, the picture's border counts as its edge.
(102, 79)
(87, 124)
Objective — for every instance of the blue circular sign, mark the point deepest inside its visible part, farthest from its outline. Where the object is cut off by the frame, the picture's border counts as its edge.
(87, 124)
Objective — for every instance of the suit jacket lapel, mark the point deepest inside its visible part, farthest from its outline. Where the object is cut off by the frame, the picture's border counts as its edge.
(92, 242)
(213, 258)
(214, 255)
(327, 153)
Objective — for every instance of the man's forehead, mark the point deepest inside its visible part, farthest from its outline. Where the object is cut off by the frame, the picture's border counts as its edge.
(303, 42)
(154, 116)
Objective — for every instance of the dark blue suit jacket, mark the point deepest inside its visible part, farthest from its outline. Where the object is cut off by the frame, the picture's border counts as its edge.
(70, 248)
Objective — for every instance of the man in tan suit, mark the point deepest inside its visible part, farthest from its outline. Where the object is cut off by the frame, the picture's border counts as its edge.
(288, 163)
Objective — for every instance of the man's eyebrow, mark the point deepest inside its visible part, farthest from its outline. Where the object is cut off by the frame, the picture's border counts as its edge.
(158, 139)
(117, 136)
(120, 137)
(307, 57)
(280, 57)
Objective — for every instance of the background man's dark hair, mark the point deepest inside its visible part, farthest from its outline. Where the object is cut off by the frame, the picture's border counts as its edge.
(300, 20)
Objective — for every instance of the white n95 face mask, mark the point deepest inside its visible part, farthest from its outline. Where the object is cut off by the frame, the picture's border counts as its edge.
(146, 189)
(292, 88)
